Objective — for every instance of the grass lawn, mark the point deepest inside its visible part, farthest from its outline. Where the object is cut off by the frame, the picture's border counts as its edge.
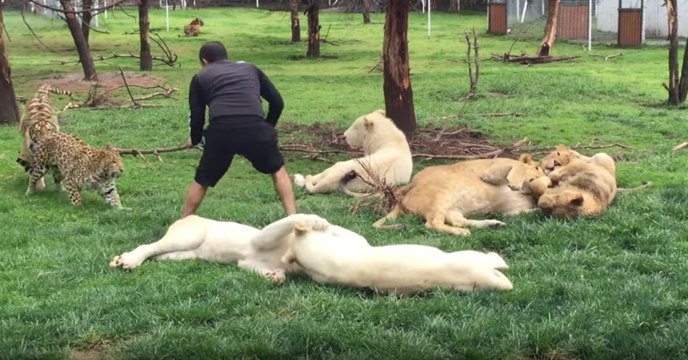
(612, 287)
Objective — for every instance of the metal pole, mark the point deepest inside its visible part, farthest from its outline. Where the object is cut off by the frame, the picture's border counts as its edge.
(589, 25)
(429, 6)
(167, 15)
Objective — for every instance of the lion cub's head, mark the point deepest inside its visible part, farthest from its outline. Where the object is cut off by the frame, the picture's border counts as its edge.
(371, 131)
(514, 175)
(559, 157)
(567, 201)
(525, 171)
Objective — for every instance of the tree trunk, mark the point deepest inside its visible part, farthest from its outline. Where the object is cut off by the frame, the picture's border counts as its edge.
(79, 41)
(313, 12)
(295, 25)
(86, 18)
(366, 11)
(146, 61)
(673, 88)
(683, 84)
(395, 58)
(550, 28)
(9, 110)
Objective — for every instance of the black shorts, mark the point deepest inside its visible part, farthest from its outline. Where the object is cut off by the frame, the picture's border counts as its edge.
(257, 143)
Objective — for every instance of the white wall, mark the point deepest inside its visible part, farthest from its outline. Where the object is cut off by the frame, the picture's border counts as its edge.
(655, 16)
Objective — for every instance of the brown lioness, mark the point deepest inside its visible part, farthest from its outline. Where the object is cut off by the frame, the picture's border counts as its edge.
(577, 185)
(444, 194)
(581, 188)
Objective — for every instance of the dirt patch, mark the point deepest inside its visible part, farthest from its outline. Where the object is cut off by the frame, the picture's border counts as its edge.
(430, 142)
(87, 355)
(106, 80)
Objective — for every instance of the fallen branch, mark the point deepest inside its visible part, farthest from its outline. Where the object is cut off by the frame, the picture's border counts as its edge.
(531, 60)
(140, 152)
(605, 57)
(680, 146)
(166, 61)
(487, 155)
(578, 147)
(165, 94)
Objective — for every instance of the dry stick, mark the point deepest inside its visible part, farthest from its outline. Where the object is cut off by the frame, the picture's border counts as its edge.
(680, 146)
(578, 146)
(127, 86)
(606, 57)
(156, 151)
(34, 33)
(165, 94)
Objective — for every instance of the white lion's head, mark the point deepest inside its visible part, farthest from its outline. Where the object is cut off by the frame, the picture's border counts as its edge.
(371, 131)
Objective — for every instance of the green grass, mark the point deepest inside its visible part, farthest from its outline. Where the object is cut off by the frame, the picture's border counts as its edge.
(612, 287)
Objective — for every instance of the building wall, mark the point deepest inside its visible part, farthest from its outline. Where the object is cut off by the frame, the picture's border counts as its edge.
(655, 16)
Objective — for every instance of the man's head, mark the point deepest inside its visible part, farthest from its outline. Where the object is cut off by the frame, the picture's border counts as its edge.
(212, 51)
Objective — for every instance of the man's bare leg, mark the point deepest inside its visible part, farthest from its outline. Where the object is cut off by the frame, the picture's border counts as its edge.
(194, 196)
(282, 184)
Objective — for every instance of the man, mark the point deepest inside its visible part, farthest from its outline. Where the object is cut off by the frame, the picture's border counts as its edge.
(232, 92)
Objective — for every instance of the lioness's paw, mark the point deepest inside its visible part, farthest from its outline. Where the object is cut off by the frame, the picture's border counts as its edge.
(494, 223)
(276, 277)
(299, 180)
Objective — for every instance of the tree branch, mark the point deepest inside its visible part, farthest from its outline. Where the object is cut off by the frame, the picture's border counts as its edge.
(93, 11)
(127, 86)
(33, 32)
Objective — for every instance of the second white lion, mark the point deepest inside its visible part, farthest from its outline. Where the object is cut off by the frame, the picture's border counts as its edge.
(386, 155)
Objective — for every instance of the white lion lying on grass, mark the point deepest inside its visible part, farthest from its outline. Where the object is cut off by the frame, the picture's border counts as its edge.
(333, 255)
(386, 155)
(194, 237)
(327, 253)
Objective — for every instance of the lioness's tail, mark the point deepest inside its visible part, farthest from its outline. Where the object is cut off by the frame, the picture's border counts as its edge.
(627, 190)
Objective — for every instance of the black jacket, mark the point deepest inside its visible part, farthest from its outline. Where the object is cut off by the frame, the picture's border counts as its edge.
(232, 92)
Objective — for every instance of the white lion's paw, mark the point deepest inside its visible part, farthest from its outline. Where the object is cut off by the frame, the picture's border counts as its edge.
(126, 261)
(276, 277)
(313, 222)
(299, 180)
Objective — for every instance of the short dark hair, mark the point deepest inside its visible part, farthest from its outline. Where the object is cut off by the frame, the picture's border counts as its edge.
(212, 51)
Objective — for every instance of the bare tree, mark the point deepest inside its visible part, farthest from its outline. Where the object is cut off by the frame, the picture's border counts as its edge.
(85, 57)
(550, 28)
(86, 18)
(395, 60)
(146, 60)
(678, 86)
(313, 13)
(9, 110)
(295, 25)
(366, 11)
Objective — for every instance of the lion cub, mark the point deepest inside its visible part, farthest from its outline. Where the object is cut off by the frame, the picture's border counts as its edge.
(581, 188)
(575, 185)
(443, 195)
